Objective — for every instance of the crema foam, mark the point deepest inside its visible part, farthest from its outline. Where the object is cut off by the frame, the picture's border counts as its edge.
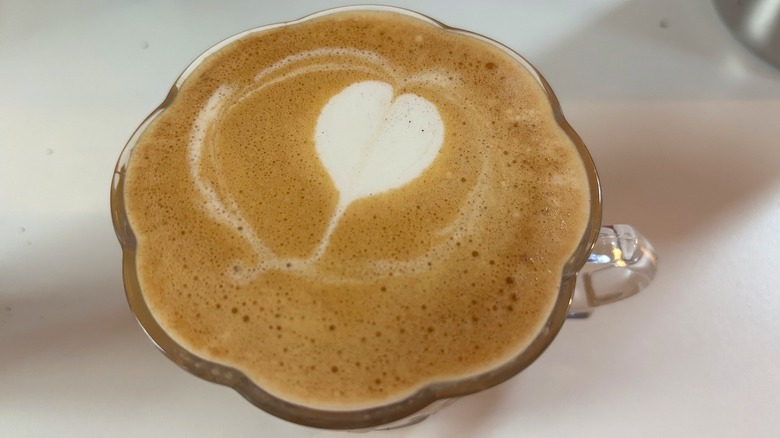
(350, 207)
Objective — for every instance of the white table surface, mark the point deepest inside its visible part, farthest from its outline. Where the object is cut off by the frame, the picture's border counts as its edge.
(683, 123)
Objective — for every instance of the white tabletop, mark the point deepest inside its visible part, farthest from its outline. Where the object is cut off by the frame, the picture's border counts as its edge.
(683, 123)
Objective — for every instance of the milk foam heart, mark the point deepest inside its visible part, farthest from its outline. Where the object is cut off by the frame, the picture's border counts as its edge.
(371, 141)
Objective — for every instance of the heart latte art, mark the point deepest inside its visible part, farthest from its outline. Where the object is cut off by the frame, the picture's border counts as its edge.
(354, 206)
(370, 142)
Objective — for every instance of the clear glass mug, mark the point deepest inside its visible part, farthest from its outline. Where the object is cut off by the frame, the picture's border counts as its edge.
(610, 263)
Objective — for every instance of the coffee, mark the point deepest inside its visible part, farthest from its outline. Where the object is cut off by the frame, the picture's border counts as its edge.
(353, 206)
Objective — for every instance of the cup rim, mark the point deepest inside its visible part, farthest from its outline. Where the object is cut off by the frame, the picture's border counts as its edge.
(422, 397)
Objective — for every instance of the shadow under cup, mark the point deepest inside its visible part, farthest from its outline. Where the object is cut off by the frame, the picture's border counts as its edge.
(427, 399)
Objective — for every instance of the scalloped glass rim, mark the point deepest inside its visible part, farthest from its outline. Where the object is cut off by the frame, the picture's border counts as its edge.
(393, 411)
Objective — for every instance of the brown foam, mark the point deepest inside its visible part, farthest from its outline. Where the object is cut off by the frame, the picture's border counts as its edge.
(447, 276)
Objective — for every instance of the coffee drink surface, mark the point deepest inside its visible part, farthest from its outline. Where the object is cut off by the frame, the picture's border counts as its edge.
(350, 207)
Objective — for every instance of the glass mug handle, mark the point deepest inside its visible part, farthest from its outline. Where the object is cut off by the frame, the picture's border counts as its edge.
(621, 264)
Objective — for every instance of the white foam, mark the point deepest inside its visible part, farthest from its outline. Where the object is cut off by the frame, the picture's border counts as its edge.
(371, 141)
(367, 62)
(223, 207)
(303, 71)
(200, 129)
(364, 55)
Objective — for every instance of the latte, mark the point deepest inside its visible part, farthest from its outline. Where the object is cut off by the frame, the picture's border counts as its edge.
(348, 208)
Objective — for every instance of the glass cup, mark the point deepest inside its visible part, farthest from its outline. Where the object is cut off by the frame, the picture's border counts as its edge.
(610, 263)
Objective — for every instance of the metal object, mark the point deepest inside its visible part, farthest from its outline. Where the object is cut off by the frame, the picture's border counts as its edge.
(756, 24)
